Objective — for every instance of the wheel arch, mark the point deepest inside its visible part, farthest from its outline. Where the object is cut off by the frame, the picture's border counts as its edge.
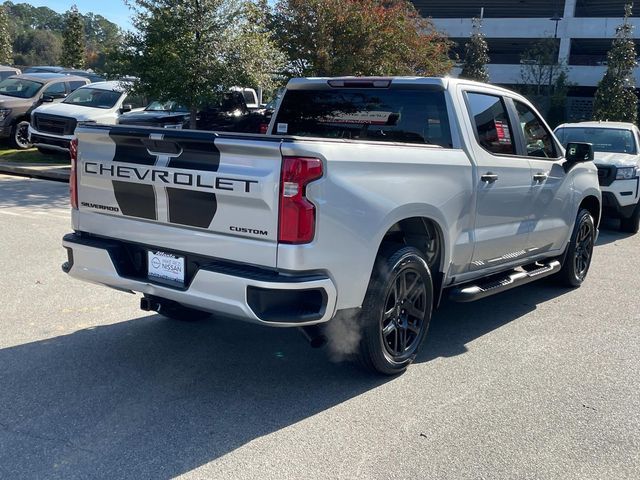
(592, 204)
(427, 235)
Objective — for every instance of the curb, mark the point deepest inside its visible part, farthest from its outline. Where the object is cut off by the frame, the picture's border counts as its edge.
(59, 174)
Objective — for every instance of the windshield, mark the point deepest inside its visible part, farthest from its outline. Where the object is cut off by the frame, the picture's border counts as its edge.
(94, 98)
(19, 87)
(384, 115)
(614, 140)
(169, 106)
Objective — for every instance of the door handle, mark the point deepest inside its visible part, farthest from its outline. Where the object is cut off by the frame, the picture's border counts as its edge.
(489, 177)
(540, 177)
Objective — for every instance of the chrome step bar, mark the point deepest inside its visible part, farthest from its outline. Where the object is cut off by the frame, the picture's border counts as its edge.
(475, 291)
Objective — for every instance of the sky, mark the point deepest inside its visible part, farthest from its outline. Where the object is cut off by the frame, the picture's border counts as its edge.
(113, 10)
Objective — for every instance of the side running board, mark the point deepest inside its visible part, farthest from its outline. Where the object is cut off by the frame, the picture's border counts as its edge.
(475, 291)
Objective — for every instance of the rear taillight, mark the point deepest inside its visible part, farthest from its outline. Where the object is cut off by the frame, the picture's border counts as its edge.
(73, 178)
(297, 214)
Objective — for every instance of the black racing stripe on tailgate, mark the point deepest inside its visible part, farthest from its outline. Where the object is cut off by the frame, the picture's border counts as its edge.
(189, 207)
(197, 155)
(130, 149)
(135, 200)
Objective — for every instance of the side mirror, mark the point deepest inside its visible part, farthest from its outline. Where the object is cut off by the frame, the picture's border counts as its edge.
(126, 108)
(578, 152)
(47, 99)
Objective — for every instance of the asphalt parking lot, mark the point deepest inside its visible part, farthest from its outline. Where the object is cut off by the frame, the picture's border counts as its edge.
(540, 382)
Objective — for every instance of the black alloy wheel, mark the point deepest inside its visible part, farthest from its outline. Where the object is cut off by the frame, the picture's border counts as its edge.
(579, 251)
(584, 249)
(396, 311)
(404, 312)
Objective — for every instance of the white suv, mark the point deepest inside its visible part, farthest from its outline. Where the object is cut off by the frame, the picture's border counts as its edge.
(52, 126)
(616, 148)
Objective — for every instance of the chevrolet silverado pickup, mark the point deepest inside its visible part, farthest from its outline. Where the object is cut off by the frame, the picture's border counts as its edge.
(367, 201)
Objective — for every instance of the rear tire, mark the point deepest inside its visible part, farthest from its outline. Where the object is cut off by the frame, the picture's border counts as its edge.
(20, 135)
(631, 224)
(579, 251)
(396, 310)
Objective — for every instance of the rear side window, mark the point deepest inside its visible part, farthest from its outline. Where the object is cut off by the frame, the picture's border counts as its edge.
(383, 115)
(491, 123)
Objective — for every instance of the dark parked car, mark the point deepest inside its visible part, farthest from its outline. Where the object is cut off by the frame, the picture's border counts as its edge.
(20, 94)
(230, 115)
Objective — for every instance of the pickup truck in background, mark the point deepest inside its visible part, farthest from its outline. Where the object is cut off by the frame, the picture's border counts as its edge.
(616, 147)
(52, 126)
(236, 112)
(368, 200)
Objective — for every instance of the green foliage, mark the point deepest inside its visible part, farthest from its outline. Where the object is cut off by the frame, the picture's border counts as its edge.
(540, 68)
(33, 28)
(192, 51)
(6, 47)
(476, 55)
(358, 37)
(615, 98)
(73, 41)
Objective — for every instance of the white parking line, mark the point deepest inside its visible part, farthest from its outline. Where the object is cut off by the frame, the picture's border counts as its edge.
(5, 212)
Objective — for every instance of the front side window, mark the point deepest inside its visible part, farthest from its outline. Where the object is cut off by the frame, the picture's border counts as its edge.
(613, 140)
(491, 123)
(19, 87)
(538, 139)
(383, 115)
(56, 90)
(94, 98)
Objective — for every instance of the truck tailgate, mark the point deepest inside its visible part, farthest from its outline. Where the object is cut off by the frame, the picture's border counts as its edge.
(153, 186)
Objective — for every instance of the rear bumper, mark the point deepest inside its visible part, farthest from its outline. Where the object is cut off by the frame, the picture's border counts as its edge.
(244, 292)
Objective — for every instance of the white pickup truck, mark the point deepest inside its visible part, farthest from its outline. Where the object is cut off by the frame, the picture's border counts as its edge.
(368, 199)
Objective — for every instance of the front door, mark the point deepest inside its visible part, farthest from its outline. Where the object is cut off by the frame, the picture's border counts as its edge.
(552, 206)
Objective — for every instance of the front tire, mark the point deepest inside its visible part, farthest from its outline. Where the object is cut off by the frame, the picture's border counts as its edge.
(396, 310)
(579, 251)
(631, 224)
(20, 135)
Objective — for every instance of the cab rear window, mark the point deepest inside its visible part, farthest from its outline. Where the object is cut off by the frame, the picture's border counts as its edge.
(384, 115)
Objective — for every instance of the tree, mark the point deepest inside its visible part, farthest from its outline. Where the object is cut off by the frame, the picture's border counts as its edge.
(37, 47)
(358, 37)
(73, 40)
(615, 98)
(193, 51)
(476, 55)
(6, 48)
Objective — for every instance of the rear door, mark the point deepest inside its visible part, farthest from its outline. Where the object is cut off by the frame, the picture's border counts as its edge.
(183, 190)
(503, 179)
